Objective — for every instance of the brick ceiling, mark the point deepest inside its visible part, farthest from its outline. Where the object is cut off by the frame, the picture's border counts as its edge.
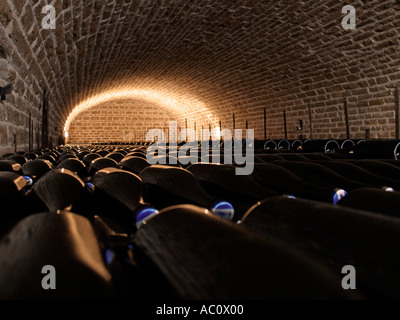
(234, 55)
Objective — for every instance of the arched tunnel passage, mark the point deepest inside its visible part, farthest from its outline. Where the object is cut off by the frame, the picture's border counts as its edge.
(284, 215)
(234, 56)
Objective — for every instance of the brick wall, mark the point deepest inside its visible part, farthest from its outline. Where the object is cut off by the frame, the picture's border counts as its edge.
(24, 66)
(233, 56)
(122, 120)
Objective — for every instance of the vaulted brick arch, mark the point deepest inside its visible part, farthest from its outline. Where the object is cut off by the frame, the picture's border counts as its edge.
(178, 104)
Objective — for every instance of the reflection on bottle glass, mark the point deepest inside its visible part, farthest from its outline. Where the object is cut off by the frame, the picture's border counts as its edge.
(145, 215)
(110, 256)
(223, 209)
(338, 195)
(90, 187)
(29, 180)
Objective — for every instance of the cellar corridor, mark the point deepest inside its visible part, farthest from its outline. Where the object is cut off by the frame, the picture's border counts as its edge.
(212, 151)
(198, 63)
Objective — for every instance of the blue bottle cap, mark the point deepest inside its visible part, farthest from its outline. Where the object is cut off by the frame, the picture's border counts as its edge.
(223, 209)
(109, 256)
(90, 187)
(145, 215)
(338, 195)
(29, 180)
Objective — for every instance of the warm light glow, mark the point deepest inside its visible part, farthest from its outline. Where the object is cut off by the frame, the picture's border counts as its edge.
(180, 104)
(66, 134)
(217, 133)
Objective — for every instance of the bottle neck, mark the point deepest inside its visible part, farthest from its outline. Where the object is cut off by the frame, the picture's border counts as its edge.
(143, 214)
(222, 209)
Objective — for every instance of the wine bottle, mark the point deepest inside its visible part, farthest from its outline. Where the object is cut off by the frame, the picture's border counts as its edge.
(283, 181)
(9, 165)
(358, 174)
(137, 154)
(270, 145)
(293, 156)
(118, 195)
(30, 156)
(56, 155)
(295, 144)
(117, 156)
(186, 161)
(374, 149)
(36, 168)
(6, 155)
(63, 247)
(18, 158)
(377, 167)
(59, 189)
(319, 175)
(269, 157)
(48, 157)
(167, 186)
(32, 171)
(134, 164)
(374, 200)
(316, 156)
(82, 154)
(13, 188)
(212, 270)
(103, 153)
(67, 156)
(339, 236)
(102, 163)
(164, 160)
(391, 161)
(76, 166)
(221, 181)
(284, 145)
(124, 152)
(336, 156)
(87, 160)
(345, 143)
(326, 146)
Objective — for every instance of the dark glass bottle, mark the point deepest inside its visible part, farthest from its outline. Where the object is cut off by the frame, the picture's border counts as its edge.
(339, 236)
(223, 261)
(117, 194)
(74, 165)
(359, 174)
(9, 165)
(319, 175)
(59, 189)
(221, 181)
(13, 188)
(134, 164)
(61, 247)
(102, 163)
(167, 186)
(18, 158)
(374, 200)
(284, 181)
(325, 146)
(35, 169)
(374, 149)
(380, 168)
